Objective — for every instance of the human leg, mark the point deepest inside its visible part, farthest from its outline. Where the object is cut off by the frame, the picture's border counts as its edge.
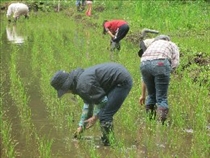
(121, 33)
(80, 5)
(148, 79)
(151, 111)
(107, 137)
(89, 9)
(116, 98)
(162, 71)
(83, 5)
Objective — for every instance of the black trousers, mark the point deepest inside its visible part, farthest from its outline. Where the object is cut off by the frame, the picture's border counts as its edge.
(121, 33)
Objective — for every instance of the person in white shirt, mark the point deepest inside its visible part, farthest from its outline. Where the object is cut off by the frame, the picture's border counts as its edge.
(17, 9)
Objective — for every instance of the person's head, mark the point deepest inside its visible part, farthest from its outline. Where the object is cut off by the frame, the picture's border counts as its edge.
(60, 82)
(104, 30)
(162, 37)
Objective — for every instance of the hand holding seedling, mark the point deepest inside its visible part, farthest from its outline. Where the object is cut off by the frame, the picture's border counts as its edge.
(78, 132)
(91, 121)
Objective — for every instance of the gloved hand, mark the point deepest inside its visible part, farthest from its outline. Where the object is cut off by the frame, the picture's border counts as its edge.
(78, 132)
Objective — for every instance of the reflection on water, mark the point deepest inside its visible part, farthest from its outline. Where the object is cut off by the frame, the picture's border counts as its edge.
(14, 35)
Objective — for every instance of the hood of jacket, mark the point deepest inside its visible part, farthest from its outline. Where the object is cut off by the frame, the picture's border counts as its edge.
(71, 81)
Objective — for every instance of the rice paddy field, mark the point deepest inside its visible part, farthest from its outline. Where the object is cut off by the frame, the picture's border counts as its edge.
(36, 124)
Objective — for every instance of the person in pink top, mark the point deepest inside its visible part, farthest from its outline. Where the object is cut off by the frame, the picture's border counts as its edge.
(89, 9)
(17, 9)
(157, 62)
(117, 29)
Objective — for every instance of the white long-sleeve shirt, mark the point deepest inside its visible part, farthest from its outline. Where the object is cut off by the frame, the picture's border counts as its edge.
(17, 9)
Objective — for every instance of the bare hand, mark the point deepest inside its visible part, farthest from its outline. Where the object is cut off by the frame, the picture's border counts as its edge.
(91, 121)
(142, 100)
(78, 132)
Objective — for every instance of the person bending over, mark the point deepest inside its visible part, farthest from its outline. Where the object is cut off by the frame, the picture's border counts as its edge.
(117, 29)
(157, 63)
(17, 10)
(102, 87)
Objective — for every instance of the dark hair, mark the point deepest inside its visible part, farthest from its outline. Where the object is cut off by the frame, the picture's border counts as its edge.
(104, 30)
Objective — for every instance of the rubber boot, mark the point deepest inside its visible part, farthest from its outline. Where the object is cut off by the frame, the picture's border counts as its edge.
(113, 45)
(107, 133)
(79, 8)
(82, 7)
(118, 46)
(162, 114)
(151, 111)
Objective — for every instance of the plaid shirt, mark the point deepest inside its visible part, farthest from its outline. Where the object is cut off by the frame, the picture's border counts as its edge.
(162, 49)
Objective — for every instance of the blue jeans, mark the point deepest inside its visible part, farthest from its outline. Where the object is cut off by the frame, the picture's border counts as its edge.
(156, 76)
(80, 2)
(116, 98)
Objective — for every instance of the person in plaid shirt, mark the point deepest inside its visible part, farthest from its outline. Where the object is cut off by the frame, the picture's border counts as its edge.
(157, 62)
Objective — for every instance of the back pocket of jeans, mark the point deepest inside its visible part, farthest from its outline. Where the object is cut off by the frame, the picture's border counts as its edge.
(160, 68)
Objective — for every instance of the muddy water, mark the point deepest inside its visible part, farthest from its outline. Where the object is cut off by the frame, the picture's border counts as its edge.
(17, 41)
(27, 144)
(41, 124)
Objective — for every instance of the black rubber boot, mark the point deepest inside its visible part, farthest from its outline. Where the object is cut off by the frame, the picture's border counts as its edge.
(118, 47)
(162, 114)
(112, 45)
(82, 7)
(107, 133)
(151, 111)
(79, 8)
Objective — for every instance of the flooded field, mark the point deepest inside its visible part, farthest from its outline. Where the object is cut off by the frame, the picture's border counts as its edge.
(35, 123)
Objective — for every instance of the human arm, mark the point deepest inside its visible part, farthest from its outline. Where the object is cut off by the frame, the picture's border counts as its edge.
(107, 26)
(87, 112)
(143, 93)
(97, 108)
(90, 90)
(110, 33)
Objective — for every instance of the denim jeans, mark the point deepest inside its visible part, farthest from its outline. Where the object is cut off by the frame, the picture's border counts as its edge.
(116, 98)
(156, 76)
(80, 2)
